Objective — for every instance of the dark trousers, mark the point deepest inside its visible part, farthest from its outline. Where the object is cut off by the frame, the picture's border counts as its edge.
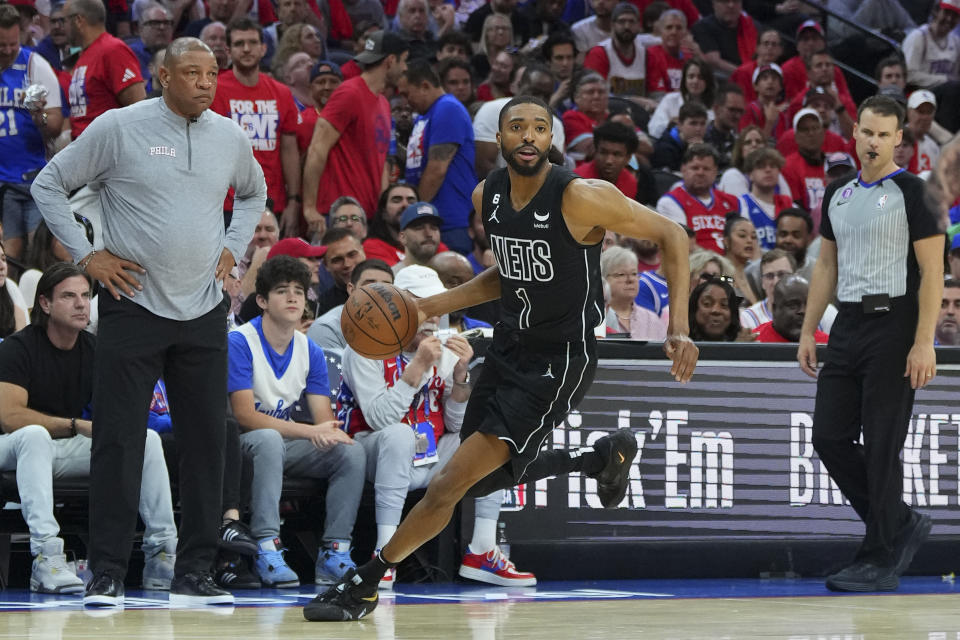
(134, 349)
(862, 387)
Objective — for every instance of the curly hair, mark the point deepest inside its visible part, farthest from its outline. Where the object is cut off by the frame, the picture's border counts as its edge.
(281, 270)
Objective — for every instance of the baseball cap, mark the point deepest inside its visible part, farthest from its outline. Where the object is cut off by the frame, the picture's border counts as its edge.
(380, 44)
(920, 97)
(767, 67)
(419, 211)
(816, 92)
(419, 280)
(803, 113)
(624, 7)
(953, 5)
(325, 68)
(809, 24)
(296, 248)
(839, 159)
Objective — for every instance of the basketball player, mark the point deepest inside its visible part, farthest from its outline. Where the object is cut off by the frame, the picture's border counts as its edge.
(545, 226)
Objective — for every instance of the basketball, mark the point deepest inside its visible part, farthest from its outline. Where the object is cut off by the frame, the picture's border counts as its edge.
(379, 320)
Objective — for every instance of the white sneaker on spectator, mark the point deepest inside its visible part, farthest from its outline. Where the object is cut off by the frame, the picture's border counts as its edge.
(50, 572)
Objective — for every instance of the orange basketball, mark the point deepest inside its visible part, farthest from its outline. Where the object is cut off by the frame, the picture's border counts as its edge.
(379, 320)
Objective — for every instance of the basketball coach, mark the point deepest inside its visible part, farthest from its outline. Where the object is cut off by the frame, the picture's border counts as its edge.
(162, 168)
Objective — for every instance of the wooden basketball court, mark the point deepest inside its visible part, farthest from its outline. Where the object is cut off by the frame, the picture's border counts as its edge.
(681, 610)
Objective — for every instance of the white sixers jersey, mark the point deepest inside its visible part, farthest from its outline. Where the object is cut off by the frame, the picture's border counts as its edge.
(272, 394)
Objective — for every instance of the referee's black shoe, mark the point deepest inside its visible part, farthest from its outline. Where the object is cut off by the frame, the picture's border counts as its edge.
(617, 452)
(864, 576)
(350, 599)
(909, 540)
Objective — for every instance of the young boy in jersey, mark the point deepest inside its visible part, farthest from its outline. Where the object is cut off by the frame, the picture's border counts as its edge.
(763, 203)
(406, 413)
(271, 366)
(546, 226)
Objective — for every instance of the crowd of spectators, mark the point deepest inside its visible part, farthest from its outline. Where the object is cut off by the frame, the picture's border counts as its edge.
(373, 121)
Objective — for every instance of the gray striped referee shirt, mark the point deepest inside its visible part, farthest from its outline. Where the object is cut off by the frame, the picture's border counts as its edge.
(874, 225)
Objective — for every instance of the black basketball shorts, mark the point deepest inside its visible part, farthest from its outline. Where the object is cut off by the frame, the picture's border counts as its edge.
(525, 389)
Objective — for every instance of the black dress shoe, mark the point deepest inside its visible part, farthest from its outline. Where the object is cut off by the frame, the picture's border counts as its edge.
(864, 576)
(103, 591)
(233, 572)
(196, 589)
(236, 536)
(909, 540)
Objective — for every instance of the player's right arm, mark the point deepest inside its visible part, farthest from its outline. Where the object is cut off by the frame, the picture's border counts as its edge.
(823, 283)
(325, 135)
(483, 288)
(591, 206)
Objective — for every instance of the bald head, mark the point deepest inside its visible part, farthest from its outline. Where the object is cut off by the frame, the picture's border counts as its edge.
(790, 306)
(181, 46)
(93, 11)
(452, 267)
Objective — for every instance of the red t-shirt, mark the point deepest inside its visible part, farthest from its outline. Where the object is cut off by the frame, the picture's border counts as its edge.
(787, 143)
(355, 163)
(577, 127)
(807, 183)
(485, 93)
(797, 103)
(308, 120)
(766, 333)
(350, 69)
(795, 78)
(664, 72)
(743, 77)
(265, 112)
(626, 181)
(103, 70)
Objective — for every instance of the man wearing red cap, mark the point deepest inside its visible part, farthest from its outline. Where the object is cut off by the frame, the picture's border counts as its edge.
(932, 52)
(107, 73)
(809, 39)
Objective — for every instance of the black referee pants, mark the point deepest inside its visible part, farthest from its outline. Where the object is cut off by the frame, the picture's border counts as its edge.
(862, 389)
(134, 349)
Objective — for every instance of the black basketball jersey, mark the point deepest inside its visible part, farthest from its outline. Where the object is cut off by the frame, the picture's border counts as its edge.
(550, 286)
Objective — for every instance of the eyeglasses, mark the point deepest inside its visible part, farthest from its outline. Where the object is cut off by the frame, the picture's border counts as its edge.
(776, 275)
(350, 218)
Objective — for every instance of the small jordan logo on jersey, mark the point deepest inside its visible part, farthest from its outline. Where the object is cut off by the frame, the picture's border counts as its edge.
(493, 216)
(128, 74)
(549, 373)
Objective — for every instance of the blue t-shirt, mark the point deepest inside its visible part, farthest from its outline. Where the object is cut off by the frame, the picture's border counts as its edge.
(653, 294)
(446, 122)
(21, 145)
(240, 370)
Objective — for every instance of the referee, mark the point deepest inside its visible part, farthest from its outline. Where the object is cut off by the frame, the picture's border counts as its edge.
(882, 253)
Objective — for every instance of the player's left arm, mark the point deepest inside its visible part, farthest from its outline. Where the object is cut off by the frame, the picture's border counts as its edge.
(592, 206)
(439, 157)
(482, 288)
(922, 359)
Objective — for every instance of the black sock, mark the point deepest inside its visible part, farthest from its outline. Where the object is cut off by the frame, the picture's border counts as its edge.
(373, 571)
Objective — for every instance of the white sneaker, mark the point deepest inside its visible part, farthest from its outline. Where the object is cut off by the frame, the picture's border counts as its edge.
(158, 571)
(50, 572)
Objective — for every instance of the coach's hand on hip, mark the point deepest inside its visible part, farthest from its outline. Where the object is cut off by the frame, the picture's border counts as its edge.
(807, 355)
(114, 273)
(224, 266)
(684, 353)
(921, 365)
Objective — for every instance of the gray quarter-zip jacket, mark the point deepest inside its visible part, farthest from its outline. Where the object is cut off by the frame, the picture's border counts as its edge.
(162, 180)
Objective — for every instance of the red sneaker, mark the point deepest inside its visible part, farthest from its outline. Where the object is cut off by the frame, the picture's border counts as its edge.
(493, 568)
